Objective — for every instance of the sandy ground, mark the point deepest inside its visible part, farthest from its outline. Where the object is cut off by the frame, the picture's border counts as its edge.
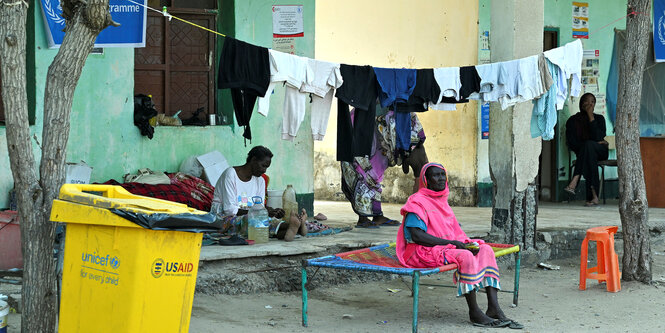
(549, 301)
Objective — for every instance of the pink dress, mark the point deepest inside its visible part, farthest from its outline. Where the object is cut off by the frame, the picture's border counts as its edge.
(473, 272)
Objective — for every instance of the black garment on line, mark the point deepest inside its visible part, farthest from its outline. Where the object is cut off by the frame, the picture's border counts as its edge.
(470, 80)
(245, 69)
(426, 90)
(360, 91)
(582, 137)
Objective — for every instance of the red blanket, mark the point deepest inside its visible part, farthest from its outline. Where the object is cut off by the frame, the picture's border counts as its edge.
(189, 190)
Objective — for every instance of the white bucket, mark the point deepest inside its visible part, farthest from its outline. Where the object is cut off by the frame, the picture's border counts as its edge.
(4, 313)
(274, 199)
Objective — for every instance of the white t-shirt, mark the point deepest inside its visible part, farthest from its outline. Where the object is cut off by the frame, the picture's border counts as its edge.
(230, 189)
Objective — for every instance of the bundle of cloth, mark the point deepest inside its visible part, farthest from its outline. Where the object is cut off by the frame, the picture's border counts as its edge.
(189, 190)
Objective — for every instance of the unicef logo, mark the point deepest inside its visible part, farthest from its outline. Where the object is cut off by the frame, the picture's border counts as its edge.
(114, 262)
(53, 11)
(157, 268)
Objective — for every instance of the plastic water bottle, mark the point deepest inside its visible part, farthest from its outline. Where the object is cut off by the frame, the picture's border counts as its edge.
(258, 222)
(289, 202)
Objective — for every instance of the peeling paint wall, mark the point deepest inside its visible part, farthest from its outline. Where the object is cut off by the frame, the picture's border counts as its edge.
(420, 34)
(102, 129)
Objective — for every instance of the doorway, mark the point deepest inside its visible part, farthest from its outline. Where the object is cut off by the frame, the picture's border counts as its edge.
(547, 167)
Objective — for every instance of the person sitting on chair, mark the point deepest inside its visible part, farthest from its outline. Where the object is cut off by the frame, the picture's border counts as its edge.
(585, 135)
(430, 236)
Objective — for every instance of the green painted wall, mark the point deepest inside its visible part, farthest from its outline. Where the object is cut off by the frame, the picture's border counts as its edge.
(558, 15)
(102, 130)
(601, 13)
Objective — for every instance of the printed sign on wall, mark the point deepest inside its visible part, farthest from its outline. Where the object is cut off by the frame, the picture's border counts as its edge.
(580, 20)
(287, 21)
(130, 33)
(659, 30)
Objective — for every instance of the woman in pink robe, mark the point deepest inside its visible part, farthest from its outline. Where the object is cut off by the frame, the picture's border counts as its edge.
(430, 236)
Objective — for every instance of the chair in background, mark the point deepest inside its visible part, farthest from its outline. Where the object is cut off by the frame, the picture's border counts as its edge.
(601, 165)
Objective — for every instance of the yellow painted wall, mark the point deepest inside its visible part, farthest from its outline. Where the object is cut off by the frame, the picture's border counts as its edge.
(411, 34)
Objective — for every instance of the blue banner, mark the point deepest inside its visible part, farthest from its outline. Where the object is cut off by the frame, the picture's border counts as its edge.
(485, 121)
(130, 33)
(659, 30)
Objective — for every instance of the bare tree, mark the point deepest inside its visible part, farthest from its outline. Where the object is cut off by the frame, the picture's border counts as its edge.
(35, 193)
(633, 206)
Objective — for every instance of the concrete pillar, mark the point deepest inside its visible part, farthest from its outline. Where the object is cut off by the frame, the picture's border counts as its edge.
(516, 32)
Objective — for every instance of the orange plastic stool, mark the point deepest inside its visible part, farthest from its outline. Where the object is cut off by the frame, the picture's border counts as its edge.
(607, 268)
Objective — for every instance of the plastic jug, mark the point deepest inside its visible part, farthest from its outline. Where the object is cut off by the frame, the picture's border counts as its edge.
(289, 202)
(258, 221)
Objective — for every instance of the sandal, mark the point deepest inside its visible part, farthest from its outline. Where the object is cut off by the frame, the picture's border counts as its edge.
(392, 223)
(569, 190)
(493, 324)
(367, 224)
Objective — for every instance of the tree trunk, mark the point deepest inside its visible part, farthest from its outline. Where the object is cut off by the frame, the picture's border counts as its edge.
(85, 19)
(633, 206)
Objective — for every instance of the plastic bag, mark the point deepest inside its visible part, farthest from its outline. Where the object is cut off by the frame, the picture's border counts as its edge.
(191, 166)
(180, 222)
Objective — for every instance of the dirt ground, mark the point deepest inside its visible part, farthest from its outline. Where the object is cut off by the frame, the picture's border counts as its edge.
(549, 301)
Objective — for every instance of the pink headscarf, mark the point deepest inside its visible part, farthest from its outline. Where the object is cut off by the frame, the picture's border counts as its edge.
(431, 207)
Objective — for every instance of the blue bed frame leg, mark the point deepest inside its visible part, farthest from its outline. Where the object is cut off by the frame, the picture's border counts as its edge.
(415, 284)
(516, 292)
(304, 296)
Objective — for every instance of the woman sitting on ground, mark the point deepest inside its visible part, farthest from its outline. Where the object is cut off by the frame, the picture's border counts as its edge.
(585, 135)
(246, 181)
(430, 236)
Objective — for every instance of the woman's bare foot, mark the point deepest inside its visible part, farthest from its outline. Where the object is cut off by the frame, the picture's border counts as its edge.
(364, 222)
(302, 217)
(294, 225)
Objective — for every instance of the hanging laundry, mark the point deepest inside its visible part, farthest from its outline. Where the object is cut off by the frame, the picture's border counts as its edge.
(469, 83)
(517, 81)
(244, 68)
(359, 90)
(544, 113)
(294, 72)
(327, 78)
(568, 59)
(448, 79)
(396, 84)
(425, 92)
(488, 80)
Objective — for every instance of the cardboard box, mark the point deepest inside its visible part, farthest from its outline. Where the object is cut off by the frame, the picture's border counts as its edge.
(213, 164)
(78, 173)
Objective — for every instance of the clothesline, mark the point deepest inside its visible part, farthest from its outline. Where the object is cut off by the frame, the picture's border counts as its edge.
(252, 72)
(169, 16)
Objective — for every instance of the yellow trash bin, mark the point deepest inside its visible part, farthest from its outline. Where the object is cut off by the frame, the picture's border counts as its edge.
(118, 276)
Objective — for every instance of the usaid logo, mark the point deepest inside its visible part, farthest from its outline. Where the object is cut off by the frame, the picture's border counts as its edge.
(170, 268)
(157, 269)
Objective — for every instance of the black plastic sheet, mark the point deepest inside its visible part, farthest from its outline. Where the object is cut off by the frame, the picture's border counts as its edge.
(176, 222)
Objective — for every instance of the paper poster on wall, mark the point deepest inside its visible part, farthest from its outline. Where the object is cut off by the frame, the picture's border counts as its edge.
(130, 33)
(580, 20)
(591, 78)
(659, 30)
(286, 45)
(485, 121)
(287, 21)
